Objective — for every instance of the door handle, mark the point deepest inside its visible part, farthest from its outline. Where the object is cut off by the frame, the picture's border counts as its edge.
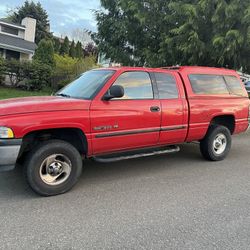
(154, 109)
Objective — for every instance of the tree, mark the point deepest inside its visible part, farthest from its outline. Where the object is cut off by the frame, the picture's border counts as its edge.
(36, 11)
(72, 49)
(57, 45)
(45, 52)
(68, 68)
(64, 50)
(169, 32)
(213, 33)
(90, 50)
(79, 50)
(80, 35)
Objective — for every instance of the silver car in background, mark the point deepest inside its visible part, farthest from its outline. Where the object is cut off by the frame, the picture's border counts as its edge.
(247, 85)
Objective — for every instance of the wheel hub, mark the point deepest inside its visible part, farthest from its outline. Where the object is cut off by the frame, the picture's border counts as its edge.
(55, 169)
(219, 144)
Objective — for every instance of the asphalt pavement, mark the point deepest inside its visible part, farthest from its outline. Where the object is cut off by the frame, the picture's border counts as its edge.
(175, 201)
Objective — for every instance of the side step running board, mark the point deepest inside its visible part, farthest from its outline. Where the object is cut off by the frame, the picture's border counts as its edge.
(133, 155)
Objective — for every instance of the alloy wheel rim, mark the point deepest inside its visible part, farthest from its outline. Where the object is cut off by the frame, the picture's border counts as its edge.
(219, 144)
(55, 169)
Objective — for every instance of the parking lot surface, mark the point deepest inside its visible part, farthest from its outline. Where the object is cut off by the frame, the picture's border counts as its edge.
(175, 201)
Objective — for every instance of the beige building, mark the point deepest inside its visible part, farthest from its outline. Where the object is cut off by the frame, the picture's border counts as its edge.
(17, 41)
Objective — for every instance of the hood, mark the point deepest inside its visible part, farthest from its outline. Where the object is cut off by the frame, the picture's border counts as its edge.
(41, 104)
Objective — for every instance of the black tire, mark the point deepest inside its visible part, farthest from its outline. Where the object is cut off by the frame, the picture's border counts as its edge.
(36, 158)
(207, 148)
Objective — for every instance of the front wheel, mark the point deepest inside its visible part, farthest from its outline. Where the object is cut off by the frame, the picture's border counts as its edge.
(216, 144)
(53, 167)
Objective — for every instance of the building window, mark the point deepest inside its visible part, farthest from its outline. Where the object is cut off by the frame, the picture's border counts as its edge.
(10, 55)
(9, 30)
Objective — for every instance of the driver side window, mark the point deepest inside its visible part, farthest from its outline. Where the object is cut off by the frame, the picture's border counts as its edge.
(136, 84)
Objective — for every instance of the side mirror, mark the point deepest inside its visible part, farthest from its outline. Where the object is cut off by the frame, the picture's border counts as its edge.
(116, 91)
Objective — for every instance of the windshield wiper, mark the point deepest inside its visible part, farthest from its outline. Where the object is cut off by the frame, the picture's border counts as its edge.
(63, 95)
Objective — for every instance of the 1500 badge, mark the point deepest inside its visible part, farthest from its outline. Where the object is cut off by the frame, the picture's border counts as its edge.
(107, 127)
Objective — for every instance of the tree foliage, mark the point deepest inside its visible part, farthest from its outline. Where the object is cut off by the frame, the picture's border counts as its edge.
(79, 50)
(72, 49)
(64, 50)
(57, 44)
(38, 76)
(170, 32)
(80, 34)
(67, 68)
(90, 50)
(36, 11)
(45, 52)
(30, 75)
(16, 71)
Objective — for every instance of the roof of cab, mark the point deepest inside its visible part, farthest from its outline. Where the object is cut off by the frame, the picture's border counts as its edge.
(180, 69)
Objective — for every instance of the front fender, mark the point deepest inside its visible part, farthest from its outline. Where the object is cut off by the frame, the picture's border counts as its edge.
(27, 123)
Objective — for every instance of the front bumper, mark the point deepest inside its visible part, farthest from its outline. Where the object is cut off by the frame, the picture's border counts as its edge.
(9, 151)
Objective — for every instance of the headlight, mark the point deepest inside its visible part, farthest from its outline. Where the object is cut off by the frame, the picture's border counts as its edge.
(6, 133)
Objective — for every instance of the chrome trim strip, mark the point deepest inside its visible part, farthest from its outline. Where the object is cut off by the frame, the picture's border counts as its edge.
(140, 131)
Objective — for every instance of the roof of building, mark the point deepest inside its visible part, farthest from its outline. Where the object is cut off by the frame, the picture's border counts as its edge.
(4, 20)
(16, 43)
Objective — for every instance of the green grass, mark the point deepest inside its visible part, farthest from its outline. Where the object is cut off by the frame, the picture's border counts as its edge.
(6, 93)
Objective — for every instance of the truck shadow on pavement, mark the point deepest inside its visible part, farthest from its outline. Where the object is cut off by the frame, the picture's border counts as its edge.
(13, 184)
(94, 171)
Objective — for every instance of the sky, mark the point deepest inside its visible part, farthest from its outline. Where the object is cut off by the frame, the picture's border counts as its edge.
(64, 15)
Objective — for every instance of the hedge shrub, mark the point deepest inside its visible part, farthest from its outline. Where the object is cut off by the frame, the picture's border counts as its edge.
(36, 75)
(67, 68)
(2, 70)
(30, 75)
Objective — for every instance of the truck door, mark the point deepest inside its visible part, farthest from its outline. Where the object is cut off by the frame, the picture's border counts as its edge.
(130, 122)
(174, 120)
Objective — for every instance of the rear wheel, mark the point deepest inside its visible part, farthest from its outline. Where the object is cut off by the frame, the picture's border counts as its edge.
(216, 144)
(53, 167)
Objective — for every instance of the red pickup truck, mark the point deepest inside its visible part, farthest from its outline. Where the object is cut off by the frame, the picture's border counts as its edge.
(120, 113)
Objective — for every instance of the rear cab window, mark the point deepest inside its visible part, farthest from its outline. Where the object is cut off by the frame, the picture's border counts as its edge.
(205, 84)
(166, 85)
(208, 84)
(234, 85)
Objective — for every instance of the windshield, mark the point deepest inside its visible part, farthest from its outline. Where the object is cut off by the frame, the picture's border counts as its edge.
(87, 85)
